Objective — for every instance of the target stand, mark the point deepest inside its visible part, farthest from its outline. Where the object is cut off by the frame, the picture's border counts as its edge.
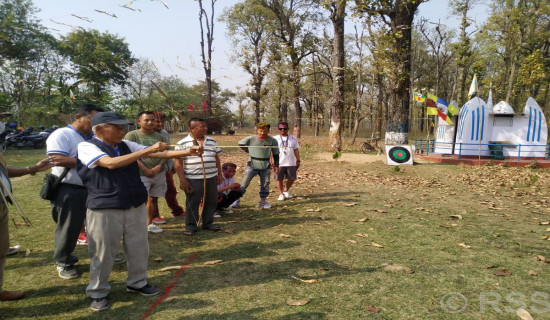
(398, 155)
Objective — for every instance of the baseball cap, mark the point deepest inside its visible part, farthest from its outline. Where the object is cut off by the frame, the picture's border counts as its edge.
(108, 117)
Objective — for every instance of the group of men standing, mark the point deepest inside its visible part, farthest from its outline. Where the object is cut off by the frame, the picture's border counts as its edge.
(113, 181)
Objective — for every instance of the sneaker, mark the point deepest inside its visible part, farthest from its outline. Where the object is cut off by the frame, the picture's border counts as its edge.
(158, 220)
(82, 239)
(217, 215)
(119, 259)
(14, 250)
(287, 195)
(235, 204)
(264, 205)
(146, 290)
(99, 304)
(225, 210)
(281, 197)
(68, 272)
(153, 228)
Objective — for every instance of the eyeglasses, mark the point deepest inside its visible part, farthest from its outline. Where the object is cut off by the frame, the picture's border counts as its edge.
(283, 128)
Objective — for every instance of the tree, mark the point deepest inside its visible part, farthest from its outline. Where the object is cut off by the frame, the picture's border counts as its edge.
(139, 90)
(337, 10)
(249, 25)
(297, 38)
(207, 22)
(397, 16)
(101, 58)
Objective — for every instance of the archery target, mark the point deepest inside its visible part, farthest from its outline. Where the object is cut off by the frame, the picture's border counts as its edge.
(399, 155)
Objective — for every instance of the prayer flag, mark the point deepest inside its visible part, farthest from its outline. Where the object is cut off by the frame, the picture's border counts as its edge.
(473, 88)
(417, 96)
(432, 108)
(191, 107)
(204, 106)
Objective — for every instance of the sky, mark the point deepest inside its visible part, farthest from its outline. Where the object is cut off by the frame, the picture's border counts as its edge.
(168, 32)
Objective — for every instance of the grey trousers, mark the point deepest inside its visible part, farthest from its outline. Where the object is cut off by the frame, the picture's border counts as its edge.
(193, 200)
(69, 213)
(4, 240)
(105, 227)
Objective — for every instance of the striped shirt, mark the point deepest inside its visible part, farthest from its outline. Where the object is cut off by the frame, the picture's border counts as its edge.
(192, 164)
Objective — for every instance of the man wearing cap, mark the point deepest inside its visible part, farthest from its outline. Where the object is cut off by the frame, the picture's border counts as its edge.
(263, 146)
(116, 204)
(69, 206)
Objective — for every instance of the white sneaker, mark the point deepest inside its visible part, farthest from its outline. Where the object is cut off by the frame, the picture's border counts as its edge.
(153, 228)
(264, 205)
(287, 195)
(281, 197)
(13, 250)
(217, 215)
(235, 204)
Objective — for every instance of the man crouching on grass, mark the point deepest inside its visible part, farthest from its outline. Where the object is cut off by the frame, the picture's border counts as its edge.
(116, 204)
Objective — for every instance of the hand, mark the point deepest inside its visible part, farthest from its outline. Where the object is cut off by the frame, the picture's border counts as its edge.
(150, 173)
(185, 186)
(42, 165)
(235, 186)
(55, 159)
(297, 164)
(197, 150)
(159, 147)
(220, 179)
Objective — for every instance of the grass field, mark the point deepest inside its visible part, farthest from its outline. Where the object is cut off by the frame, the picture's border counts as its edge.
(360, 241)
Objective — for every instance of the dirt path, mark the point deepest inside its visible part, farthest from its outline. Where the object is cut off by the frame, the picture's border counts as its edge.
(355, 158)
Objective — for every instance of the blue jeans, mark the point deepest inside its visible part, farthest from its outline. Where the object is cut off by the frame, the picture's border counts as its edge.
(249, 173)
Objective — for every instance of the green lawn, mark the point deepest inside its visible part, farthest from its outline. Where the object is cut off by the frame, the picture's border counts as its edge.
(409, 260)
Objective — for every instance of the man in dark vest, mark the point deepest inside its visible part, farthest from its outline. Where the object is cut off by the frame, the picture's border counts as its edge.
(116, 204)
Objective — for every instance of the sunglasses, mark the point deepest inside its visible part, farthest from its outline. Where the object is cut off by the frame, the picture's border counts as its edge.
(283, 128)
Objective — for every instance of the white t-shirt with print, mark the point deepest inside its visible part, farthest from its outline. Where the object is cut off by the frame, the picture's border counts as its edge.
(287, 145)
(89, 153)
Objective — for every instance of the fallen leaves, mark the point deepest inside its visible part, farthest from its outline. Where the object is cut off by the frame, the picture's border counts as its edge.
(351, 241)
(532, 273)
(362, 235)
(456, 216)
(463, 245)
(376, 245)
(299, 302)
(502, 273)
(282, 235)
(158, 259)
(170, 268)
(362, 220)
(523, 314)
(213, 262)
(373, 309)
(304, 280)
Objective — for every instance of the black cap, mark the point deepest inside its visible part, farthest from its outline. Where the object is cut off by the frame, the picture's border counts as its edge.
(108, 117)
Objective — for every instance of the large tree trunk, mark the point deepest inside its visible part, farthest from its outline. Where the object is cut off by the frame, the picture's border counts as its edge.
(296, 100)
(397, 128)
(337, 17)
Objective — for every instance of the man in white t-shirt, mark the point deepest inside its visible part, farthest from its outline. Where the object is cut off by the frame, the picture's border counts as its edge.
(69, 206)
(289, 160)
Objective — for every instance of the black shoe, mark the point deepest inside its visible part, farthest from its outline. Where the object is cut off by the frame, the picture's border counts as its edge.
(146, 290)
(98, 304)
(212, 228)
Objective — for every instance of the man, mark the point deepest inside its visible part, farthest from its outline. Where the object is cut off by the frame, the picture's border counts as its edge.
(228, 191)
(289, 160)
(69, 207)
(192, 178)
(151, 170)
(171, 191)
(262, 148)
(5, 173)
(116, 204)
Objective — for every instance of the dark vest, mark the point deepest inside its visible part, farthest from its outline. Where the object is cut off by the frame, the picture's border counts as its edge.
(119, 188)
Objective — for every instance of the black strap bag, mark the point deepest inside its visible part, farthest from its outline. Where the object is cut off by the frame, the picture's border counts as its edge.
(51, 185)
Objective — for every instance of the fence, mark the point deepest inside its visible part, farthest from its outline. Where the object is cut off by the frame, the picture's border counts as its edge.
(494, 149)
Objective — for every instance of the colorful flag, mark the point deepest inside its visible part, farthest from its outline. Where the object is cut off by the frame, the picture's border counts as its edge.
(417, 96)
(204, 106)
(452, 110)
(473, 88)
(433, 109)
(191, 107)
